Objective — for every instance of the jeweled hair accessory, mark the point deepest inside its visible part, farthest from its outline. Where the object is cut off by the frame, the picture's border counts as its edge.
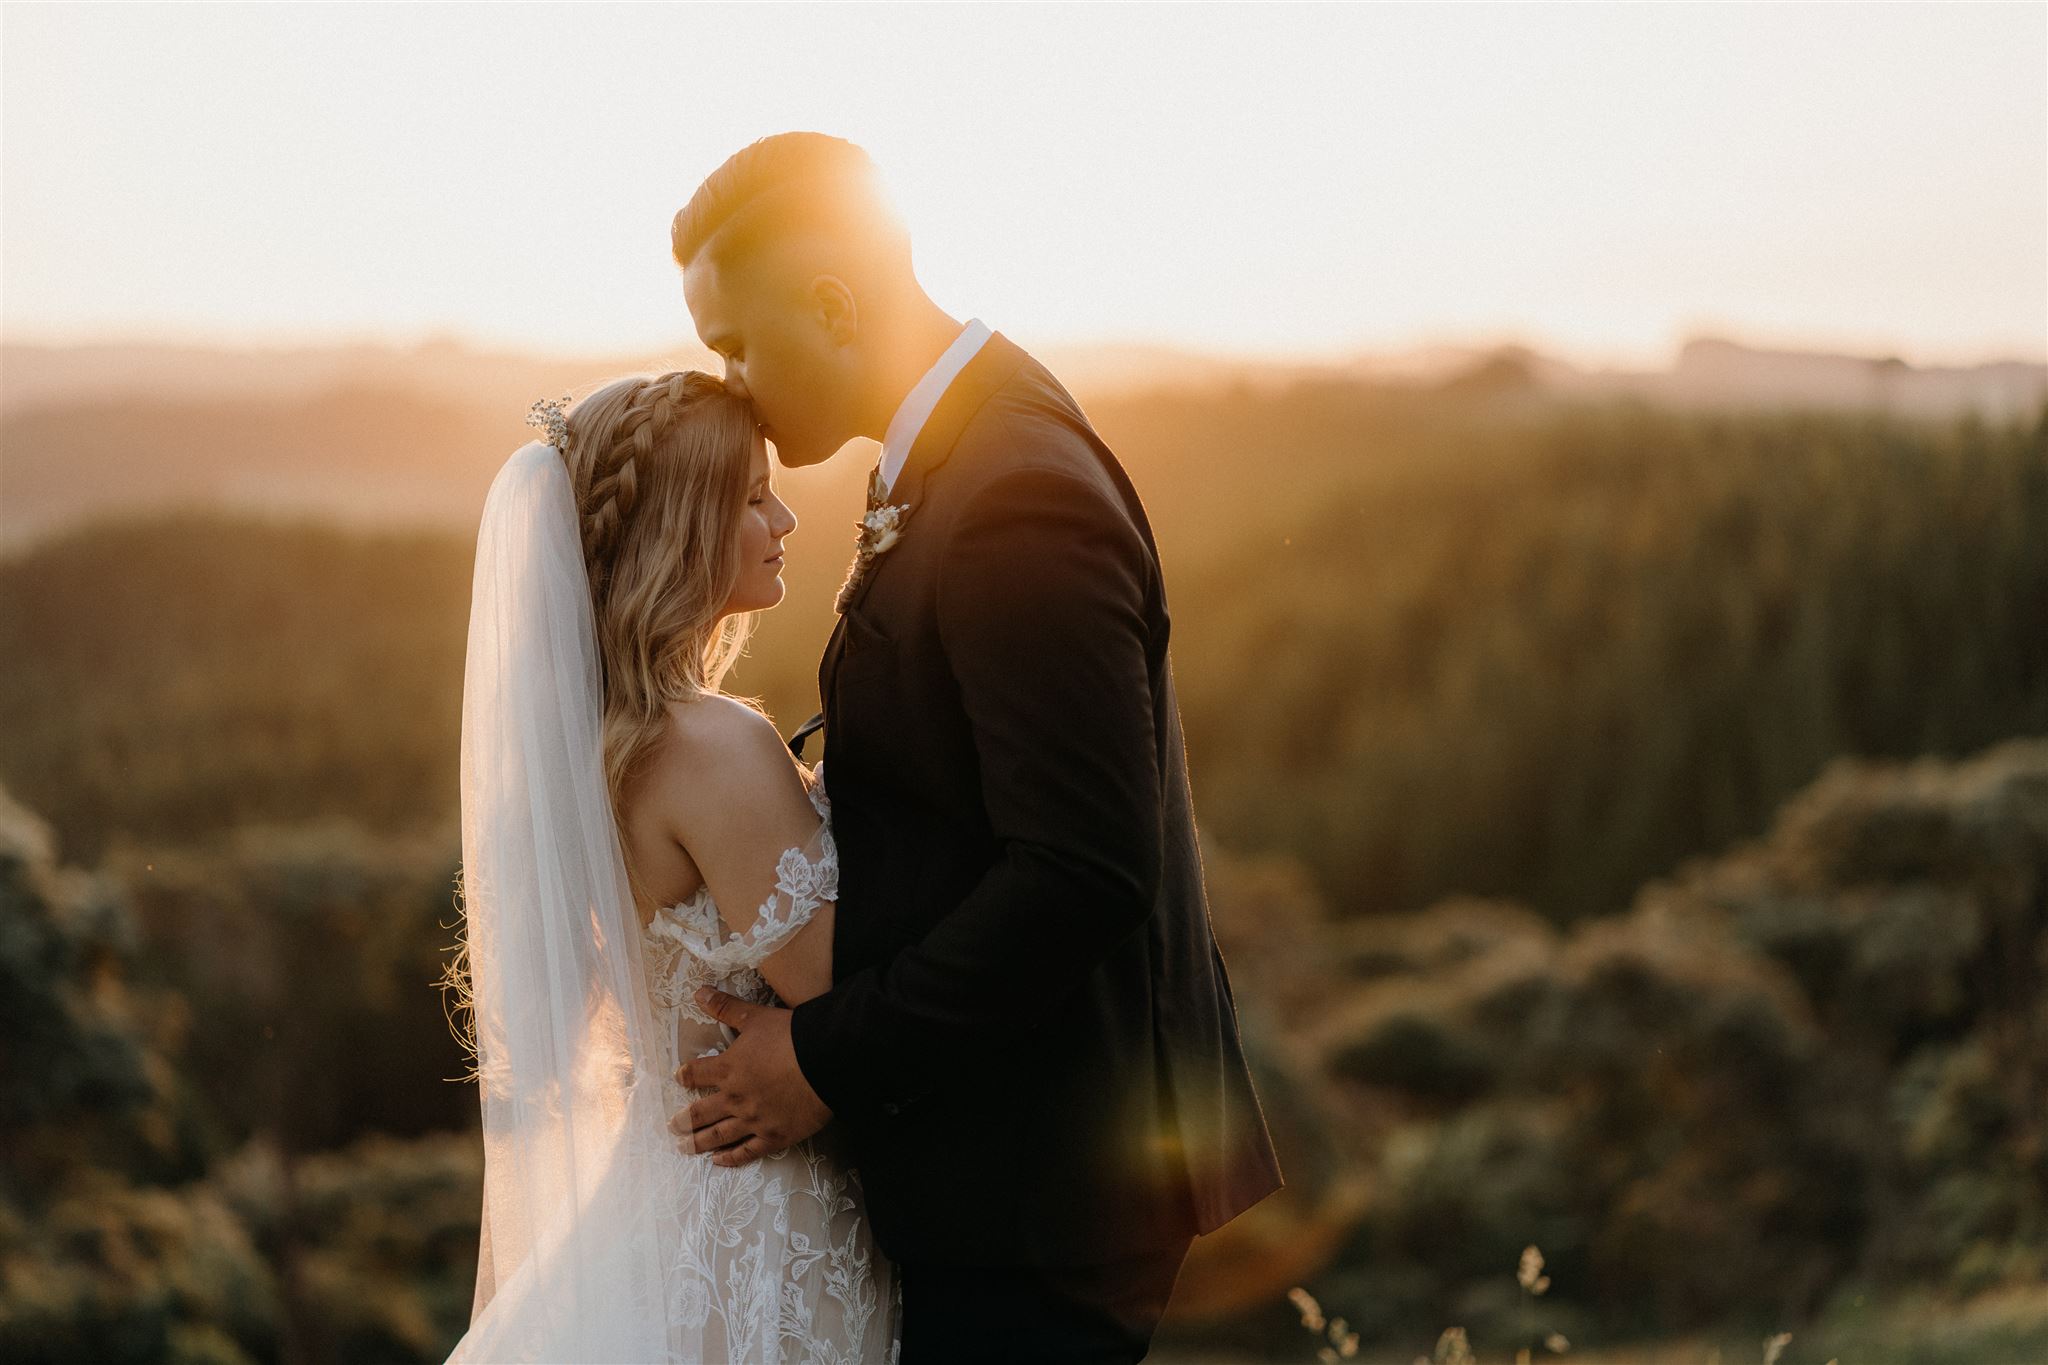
(551, 415)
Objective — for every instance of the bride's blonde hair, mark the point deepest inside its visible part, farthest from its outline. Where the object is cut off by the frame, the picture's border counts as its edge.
(660, 465)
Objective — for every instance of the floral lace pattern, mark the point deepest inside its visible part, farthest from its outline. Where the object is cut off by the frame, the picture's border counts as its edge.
(684, 950)
(777, 1265)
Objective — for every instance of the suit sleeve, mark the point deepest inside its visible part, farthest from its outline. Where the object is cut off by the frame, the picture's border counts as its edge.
(1042, 614)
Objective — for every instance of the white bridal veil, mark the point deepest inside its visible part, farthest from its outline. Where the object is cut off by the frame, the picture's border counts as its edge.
(578, 1160)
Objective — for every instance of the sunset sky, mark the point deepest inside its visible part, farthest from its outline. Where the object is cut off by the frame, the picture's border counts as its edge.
(1600, 180)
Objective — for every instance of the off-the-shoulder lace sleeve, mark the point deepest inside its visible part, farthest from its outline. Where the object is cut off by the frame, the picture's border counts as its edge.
(707, 944)
(805, 878)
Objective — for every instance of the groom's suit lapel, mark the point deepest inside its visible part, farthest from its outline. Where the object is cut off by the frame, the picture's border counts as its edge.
(992, 367)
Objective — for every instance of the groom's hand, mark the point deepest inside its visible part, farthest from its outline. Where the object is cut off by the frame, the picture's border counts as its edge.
(762, 1102)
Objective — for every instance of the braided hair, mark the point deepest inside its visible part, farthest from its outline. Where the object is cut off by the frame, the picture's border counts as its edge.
(660, 466)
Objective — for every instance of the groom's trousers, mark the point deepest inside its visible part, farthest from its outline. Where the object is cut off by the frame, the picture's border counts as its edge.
(1102, 1314)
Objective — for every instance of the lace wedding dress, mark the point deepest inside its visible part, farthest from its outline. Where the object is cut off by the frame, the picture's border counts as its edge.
(774, 1260)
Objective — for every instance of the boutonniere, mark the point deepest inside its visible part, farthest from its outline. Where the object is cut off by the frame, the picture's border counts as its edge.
(880, 529)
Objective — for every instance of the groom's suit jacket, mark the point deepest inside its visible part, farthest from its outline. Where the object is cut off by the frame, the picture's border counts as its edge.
(1031, 1047)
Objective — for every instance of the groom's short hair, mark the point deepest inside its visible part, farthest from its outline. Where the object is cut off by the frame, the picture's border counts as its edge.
(786, 184)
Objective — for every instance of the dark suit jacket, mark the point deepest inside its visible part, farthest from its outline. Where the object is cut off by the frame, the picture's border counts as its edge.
(1030, 1047)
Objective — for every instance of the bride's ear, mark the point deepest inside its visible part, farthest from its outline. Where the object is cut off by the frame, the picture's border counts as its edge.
(833, 305)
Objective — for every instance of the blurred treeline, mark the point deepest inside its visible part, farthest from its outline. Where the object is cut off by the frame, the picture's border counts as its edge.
(1464, 669)
(1577, 648)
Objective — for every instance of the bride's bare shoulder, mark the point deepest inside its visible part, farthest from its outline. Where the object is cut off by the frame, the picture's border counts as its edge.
(720, 754)
(716, 733)
(716, 720)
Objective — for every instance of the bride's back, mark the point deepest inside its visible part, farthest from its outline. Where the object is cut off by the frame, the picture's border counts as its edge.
(710, 820)
(703, 749)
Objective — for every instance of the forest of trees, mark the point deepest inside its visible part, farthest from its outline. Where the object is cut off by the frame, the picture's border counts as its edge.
(1628, 832)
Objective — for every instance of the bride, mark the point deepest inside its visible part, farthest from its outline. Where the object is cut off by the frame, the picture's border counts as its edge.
(630, 834)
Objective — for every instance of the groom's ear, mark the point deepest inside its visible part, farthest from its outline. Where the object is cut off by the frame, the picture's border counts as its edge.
(832, 303)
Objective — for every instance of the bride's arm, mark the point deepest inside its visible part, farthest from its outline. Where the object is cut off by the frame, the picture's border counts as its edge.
(735, 800)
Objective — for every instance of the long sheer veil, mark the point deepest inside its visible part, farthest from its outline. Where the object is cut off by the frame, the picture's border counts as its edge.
(578, 1160)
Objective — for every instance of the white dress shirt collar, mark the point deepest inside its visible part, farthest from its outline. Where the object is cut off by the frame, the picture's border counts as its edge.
(924, 397)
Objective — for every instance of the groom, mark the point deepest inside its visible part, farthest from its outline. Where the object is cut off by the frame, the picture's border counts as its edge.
(1030, 1047)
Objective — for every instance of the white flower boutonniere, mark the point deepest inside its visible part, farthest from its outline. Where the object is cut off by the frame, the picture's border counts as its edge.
(880, 529)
